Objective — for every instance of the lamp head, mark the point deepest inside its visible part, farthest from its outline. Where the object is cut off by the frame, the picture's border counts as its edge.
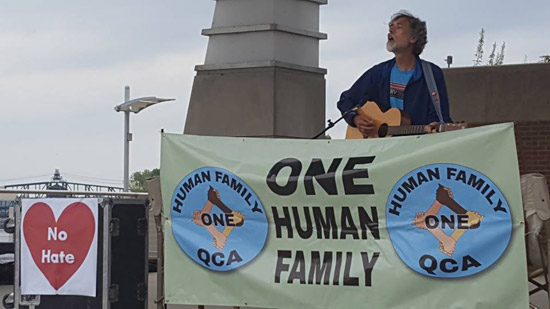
(139, 104)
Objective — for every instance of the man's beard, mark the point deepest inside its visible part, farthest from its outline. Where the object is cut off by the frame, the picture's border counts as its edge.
(390, 46)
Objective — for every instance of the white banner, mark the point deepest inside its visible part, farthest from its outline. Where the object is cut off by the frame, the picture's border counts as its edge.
(59, 246)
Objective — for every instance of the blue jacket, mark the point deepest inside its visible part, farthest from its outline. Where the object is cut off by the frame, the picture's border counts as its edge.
(374, 85)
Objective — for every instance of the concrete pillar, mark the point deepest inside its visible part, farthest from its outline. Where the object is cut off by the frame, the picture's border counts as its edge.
(261, 74)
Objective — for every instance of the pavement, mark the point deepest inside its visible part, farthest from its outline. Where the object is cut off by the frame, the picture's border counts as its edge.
(539, 300)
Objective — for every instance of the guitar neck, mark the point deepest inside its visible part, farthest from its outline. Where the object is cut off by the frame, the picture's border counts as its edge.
(406, 130)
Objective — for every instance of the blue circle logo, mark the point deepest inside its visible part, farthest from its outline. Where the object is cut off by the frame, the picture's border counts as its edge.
(217, 220)
(448, 221)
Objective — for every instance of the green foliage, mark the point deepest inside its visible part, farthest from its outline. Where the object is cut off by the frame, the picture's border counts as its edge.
(479, 51)
(137, 180)
(494, 59)
(545, 58)
(492, 55)
(500, 56)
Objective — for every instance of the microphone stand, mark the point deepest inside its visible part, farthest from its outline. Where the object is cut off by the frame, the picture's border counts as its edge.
(332, 124)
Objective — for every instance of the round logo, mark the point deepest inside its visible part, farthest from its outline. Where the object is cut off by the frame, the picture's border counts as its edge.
(448, 221)
(217, 220)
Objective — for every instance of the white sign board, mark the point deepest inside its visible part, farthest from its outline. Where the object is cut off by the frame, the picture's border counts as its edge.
(59, 246)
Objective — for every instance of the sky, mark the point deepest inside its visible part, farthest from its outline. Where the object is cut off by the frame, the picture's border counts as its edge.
(65, 65)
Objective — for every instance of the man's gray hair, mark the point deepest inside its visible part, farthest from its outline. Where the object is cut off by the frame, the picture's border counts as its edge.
(418, 29)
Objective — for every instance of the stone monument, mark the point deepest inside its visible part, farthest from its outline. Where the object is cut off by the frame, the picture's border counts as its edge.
(261, 75)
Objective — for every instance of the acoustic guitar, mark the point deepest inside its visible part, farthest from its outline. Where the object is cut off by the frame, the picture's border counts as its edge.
(393, 122)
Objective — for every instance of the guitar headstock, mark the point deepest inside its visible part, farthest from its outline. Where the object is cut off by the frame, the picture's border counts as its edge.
(453, 126)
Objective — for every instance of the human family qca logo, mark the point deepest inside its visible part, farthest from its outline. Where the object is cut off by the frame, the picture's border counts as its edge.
(448, 221)
(217, 219)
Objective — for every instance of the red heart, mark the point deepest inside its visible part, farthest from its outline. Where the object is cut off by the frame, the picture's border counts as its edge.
(77, 221)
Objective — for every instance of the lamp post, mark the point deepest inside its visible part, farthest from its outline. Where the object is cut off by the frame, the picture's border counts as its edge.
(449, 61)
(134, 106)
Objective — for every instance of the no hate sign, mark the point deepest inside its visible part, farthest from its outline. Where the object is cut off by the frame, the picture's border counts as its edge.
(59, 246)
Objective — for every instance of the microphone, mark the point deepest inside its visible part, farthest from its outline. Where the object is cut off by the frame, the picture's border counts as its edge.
(331, 124)
(350, 111)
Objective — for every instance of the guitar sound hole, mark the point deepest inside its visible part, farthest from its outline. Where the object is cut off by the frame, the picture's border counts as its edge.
(383, 130)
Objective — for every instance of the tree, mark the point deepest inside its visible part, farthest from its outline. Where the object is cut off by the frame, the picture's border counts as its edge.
(545, 59)
(492, 55)
(479, 51)
(493, 60)
(500, 56)
(137, 180)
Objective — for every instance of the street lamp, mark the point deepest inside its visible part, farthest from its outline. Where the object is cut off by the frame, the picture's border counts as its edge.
(134, 106)
(449, 61)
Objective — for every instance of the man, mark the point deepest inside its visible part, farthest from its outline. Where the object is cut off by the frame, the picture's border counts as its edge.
(398, 82)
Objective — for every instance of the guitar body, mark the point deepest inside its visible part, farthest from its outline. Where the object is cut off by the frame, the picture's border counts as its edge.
(392, 117)
(393, 122)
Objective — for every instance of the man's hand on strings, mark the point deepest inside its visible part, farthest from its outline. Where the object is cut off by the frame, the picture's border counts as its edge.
(364, 125)
(432, 128)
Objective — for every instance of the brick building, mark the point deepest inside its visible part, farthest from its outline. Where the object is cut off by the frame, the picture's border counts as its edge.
(509, 93)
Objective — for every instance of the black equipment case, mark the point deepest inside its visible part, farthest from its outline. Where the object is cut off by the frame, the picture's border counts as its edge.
(121, 261)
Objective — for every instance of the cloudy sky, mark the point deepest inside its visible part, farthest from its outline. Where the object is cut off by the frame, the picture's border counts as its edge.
(64, 65)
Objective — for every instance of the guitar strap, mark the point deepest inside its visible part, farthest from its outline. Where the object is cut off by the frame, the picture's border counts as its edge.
(432, 88)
